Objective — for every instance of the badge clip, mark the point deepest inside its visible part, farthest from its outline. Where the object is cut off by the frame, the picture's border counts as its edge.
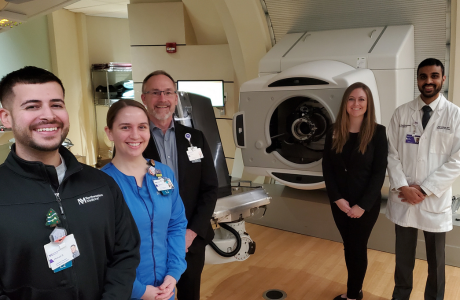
(152, 171)
(58, 235)
(188, 136)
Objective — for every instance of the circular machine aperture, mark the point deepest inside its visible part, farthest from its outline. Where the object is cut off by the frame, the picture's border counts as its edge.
(297, 130)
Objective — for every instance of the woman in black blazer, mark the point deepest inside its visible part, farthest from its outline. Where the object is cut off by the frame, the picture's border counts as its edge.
(354, 164)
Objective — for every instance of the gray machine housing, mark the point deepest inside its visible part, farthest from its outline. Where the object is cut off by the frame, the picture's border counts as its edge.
(285, 113)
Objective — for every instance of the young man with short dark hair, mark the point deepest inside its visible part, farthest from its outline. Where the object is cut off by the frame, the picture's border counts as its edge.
(44, 188)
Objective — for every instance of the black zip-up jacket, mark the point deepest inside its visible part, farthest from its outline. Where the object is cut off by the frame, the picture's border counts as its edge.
(93, 209)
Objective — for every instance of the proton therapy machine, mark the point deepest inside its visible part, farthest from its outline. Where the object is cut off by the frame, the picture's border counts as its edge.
(285, 113)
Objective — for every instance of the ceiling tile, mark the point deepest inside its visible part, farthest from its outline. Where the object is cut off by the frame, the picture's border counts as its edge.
(36, 8)
(84, 3)
(116, 1)
(100, 9)
(123, 14)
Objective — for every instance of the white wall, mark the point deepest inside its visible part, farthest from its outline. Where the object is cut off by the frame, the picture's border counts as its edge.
(25, 45)
(108, 40)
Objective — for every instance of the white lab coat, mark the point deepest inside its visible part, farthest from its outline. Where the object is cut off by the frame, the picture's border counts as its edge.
(434, 164)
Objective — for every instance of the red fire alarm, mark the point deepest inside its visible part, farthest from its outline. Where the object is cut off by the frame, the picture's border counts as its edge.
(171, 47)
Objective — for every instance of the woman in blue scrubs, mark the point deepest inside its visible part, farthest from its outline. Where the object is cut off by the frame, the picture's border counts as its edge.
(156, 207)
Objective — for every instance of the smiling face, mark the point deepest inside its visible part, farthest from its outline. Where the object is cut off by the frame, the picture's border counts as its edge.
(130, 131)
(429, 82)
(37, 116)
(161, 107)
(357, 103)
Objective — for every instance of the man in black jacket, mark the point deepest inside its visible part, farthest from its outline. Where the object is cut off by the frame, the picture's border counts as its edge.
(41, 180)
(173, 144)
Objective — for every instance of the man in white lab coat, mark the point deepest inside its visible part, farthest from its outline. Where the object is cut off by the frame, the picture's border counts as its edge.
(423, 163)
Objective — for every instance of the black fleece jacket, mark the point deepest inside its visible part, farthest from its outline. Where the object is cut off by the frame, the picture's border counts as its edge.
(93, 210)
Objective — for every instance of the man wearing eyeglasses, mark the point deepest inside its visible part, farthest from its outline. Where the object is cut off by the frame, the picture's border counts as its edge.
(169, 143)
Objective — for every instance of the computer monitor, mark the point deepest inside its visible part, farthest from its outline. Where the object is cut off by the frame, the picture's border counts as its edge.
(213, 89)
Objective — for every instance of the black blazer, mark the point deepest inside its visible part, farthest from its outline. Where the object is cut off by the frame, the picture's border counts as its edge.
(198, 183)
(362, 181)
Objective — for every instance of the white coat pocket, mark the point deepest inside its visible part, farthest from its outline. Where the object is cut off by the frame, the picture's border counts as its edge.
(436, 205)
(441, 143)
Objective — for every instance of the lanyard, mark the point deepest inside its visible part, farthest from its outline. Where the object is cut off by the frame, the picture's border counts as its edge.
(143, 201)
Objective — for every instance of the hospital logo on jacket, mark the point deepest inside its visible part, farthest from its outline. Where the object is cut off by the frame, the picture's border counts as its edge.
(89, 199)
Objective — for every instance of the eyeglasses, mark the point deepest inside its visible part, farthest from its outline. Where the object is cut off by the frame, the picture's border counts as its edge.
(157, 94)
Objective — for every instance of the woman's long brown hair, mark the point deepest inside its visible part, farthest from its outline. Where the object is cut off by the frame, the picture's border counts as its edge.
(342, 124)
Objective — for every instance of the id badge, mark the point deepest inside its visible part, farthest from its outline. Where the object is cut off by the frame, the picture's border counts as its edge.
(163, 185)
(412, 139)
(194, 154)
(58, 255)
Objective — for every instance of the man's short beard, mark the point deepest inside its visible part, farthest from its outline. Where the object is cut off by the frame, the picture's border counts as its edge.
(436, 90)
(37, 147)
(22, 137)
(161, 118)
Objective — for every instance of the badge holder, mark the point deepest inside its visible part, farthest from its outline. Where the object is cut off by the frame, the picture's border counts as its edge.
(63, 248)
(58, 235)
(60, 255)
(412, 138)
(194, 153)
(164, 185)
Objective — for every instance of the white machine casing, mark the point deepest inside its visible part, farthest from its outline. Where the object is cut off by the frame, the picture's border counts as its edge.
(306, 74)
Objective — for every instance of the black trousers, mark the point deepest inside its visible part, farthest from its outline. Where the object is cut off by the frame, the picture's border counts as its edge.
(406, 244)
(355, 235)
(188, 286)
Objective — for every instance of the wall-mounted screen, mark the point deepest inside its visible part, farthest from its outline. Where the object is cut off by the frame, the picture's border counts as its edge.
(213, 89)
